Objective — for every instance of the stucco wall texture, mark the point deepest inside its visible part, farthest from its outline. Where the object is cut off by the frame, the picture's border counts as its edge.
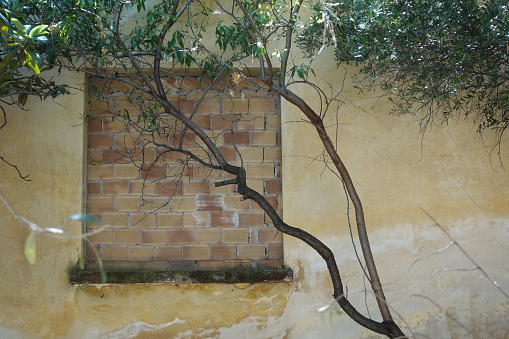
(447, 172)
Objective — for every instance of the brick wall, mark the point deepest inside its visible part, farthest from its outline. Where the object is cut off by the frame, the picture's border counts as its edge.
(159, 208)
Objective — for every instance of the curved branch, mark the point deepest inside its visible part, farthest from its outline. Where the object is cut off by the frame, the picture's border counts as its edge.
(359, 213)
(388, 328)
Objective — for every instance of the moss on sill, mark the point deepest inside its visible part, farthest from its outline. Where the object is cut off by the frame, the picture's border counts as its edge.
(79, 276)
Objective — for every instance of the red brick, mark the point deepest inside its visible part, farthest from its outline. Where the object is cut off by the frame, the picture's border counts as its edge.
(273, 121)
(225, 122)
(249, 219)
(127, 237)
(261, 106)
(257, 185)
(169, 220)
(168, 157)
(141, 253)
(252, 252)
(122, 106)
(270, 198)
(151, 171)
(260, 171)
(125, 204)
(94, 156)
(236, 203)
(209, 203)
(115, 187)
(273, 186)
(95, 125)
(100, 108)
(223, 190)
(223, 252)
(93, 188)
(184, 236)
(100, 172)
(224, 219)
(115, 125)
(140, 187)
(127, 140)
(239, 138)
(197, 219)
(185, 106)
(203, 172)
(126, 171)
(250, 154)
(235, 235)
(263, 138)
(251, 121)
(168, 253)
(98, 204)
(202, 121)
(142, 220)
(208, 236)
(209, 106)
(194, 83)
(179, 172)
(195, 187)
(182, 204)
(114, 219)
(104, 236)
(235, 105)
(114, 253)
(100, 140)
(169, 187)
(146, 155)
(229, 153)
(158, 237)
(272, 154)
(155, 204)
(186, 140)
(275, 251)
(195, 252)
(178, 83)
(270, 236)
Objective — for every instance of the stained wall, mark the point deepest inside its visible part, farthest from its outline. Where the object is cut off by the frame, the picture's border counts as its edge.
(449, 172)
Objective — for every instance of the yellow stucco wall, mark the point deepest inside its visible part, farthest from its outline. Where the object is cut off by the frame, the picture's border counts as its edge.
(448, 172)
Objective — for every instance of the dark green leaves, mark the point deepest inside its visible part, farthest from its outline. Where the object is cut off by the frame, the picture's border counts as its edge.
(436, 57)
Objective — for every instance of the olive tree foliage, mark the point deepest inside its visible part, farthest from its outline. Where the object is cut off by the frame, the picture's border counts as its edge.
(22, 48)
(104, 39)
(439, 58)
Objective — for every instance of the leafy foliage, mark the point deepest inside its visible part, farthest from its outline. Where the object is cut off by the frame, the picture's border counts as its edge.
(439, 57)
(23, 44)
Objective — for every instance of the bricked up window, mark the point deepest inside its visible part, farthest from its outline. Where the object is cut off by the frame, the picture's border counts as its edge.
(159, 208)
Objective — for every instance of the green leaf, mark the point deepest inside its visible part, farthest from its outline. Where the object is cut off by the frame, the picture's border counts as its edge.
(84, 218)
(30, 244)
(36, 31)
(30, 62)
(22, 99)
(18, 25)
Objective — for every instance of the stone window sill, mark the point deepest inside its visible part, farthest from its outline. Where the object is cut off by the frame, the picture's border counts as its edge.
(233, 276)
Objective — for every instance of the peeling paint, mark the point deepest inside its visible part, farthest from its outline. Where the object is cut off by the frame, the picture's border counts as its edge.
(134, 329)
